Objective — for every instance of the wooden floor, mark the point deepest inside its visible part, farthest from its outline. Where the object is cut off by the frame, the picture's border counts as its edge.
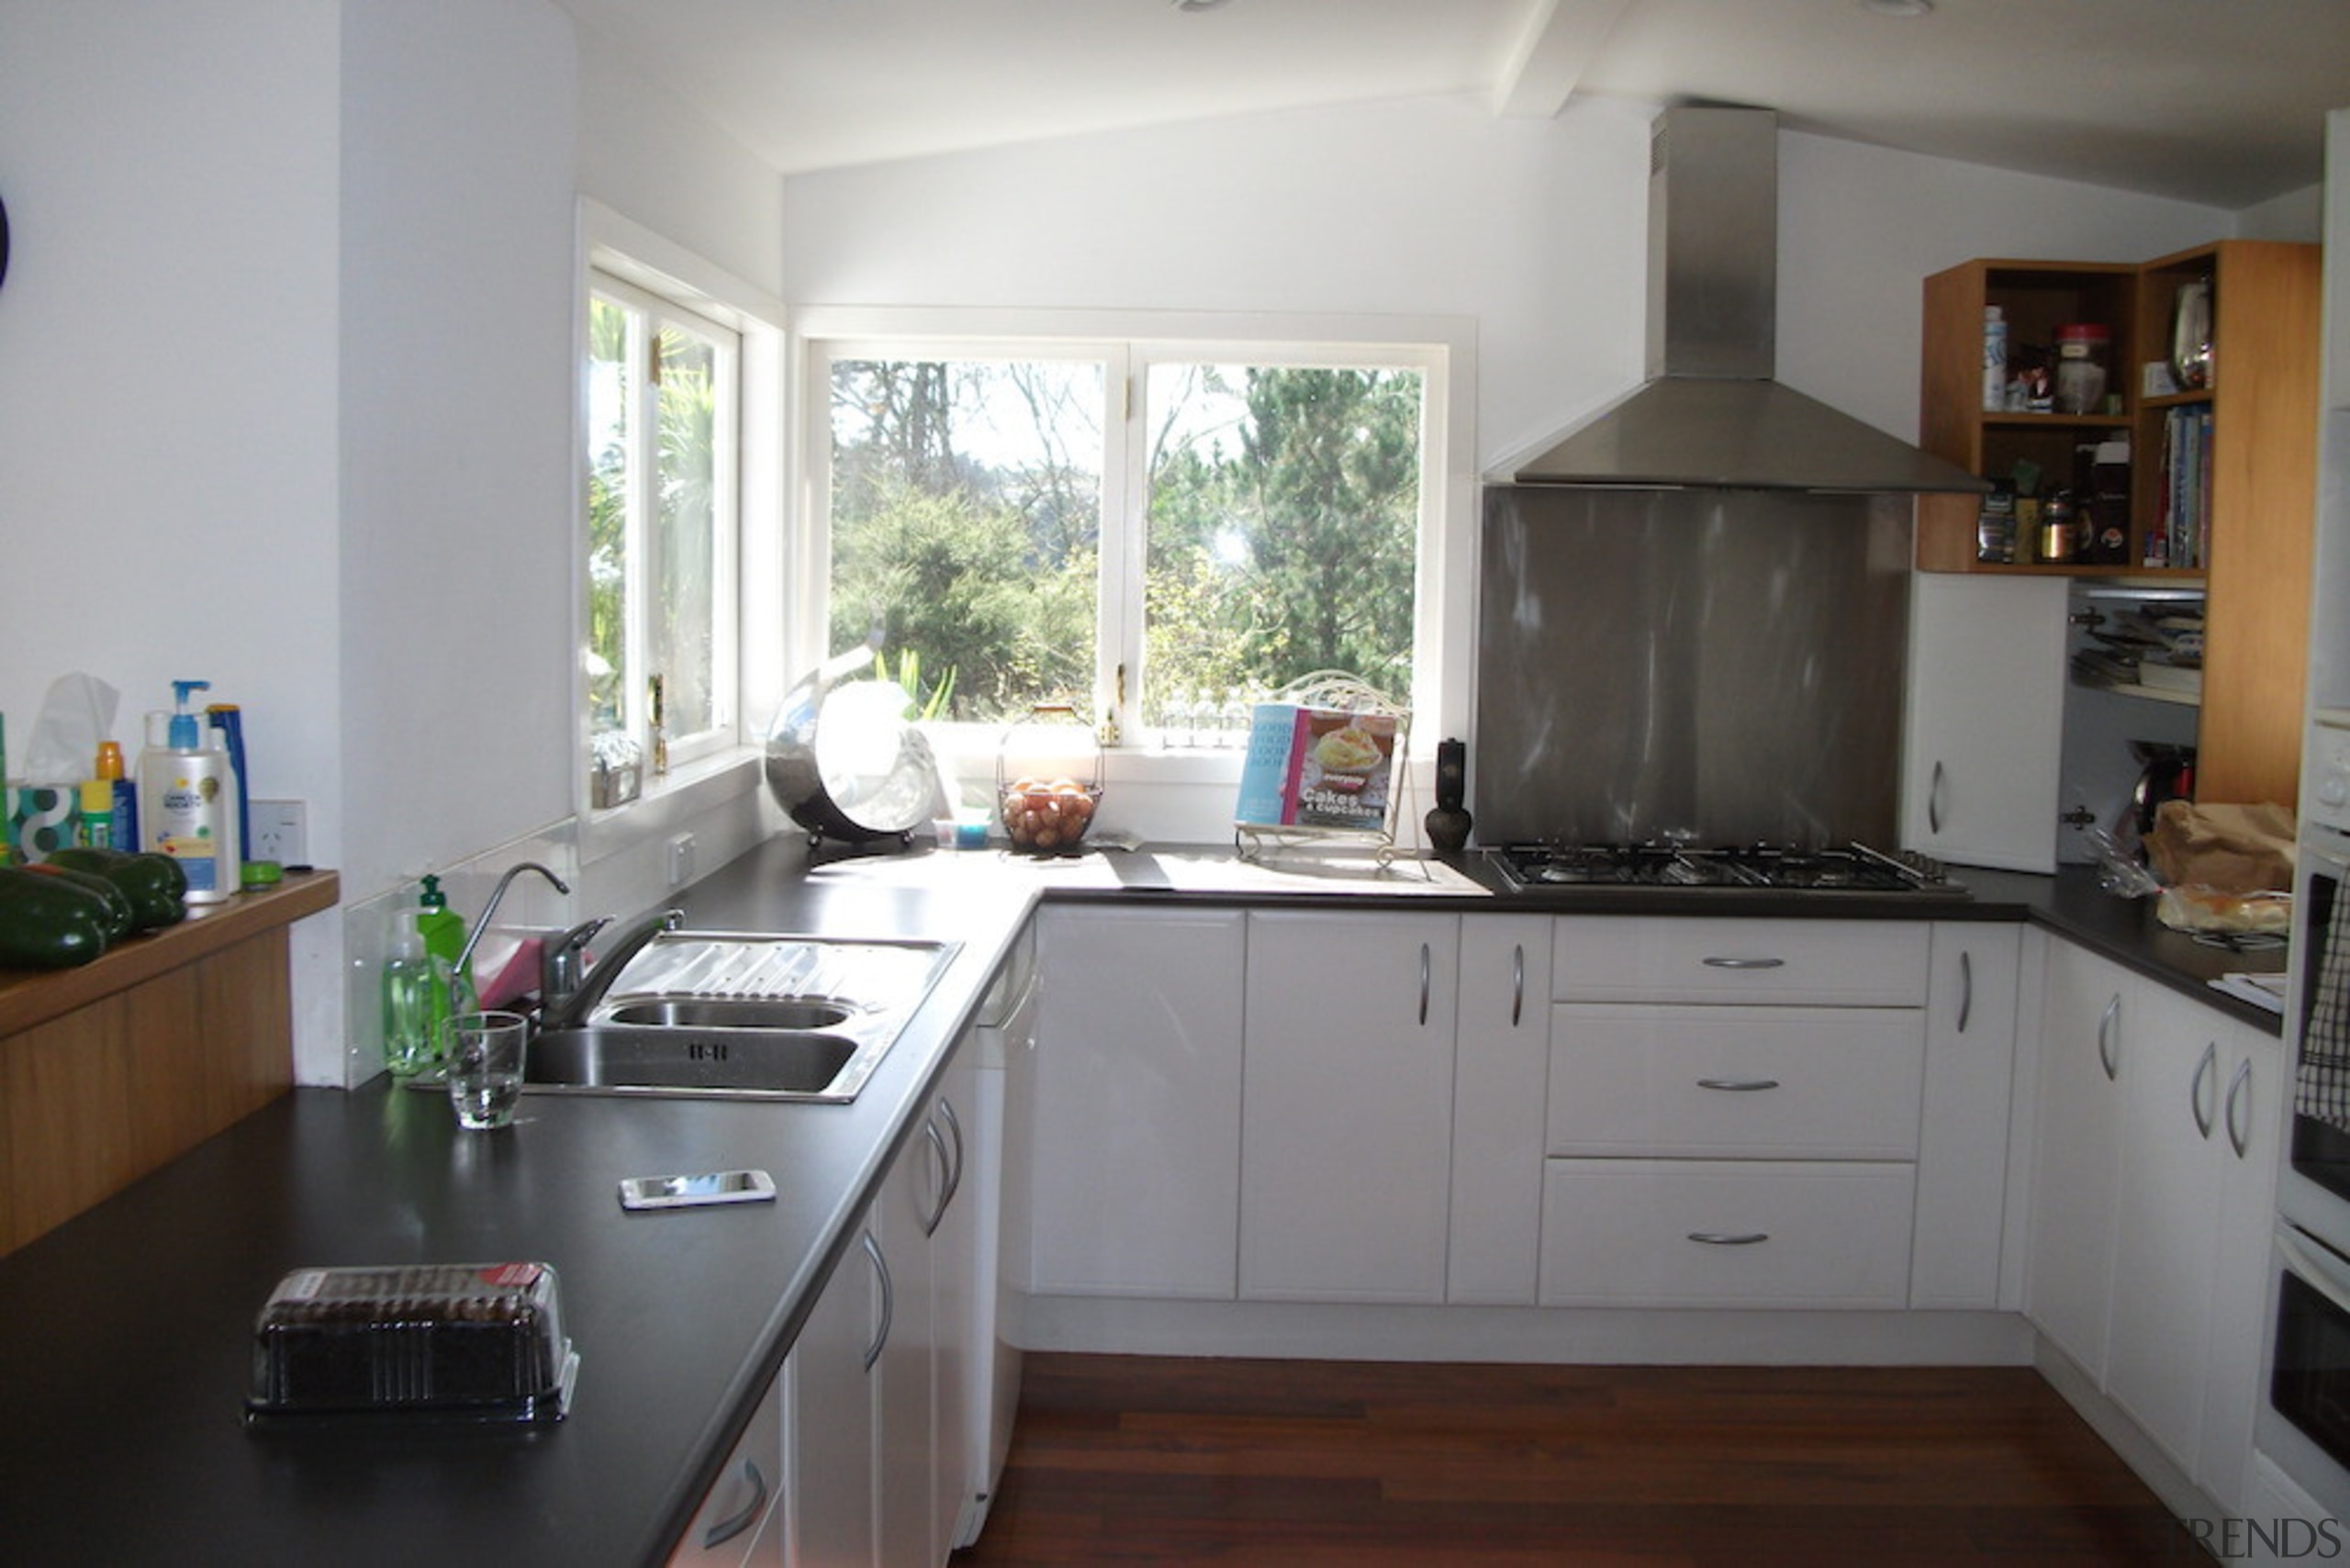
(1123, 1459)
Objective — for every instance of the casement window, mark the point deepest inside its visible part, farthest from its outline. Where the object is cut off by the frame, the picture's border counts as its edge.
(1157, 531)
(663, 433)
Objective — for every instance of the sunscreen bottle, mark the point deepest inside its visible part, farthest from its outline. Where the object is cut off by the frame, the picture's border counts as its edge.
(187, 801)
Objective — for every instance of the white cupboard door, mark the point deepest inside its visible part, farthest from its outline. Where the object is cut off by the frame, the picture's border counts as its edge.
(1962, 1131)
(2167, 1221)
(904, 1504)
(1134, 1115)
(947, 1133)
(2089, 1043)
(1346, 1139)
(829, 1429)
(1500, 1069)
(1985, 719)
(2249, 1120)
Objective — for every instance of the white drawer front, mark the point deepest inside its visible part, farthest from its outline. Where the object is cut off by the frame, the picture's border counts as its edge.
(1839, 963)
(1736, 1082)
(1725, 1233)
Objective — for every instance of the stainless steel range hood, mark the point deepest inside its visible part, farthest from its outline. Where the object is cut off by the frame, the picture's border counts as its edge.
(1711, 415)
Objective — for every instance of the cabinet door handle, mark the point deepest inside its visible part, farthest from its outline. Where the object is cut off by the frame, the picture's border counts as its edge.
(946, 1176)
(1730, 1238)
(1516, 984)
(721, 1531)
(1935, 798)
(2108, 1038)
(888, 1301)
(1738, 1085)
(2207, 1072)
(1966, 988)
(1427, 960)
(1727, 963)
(2240, 1137)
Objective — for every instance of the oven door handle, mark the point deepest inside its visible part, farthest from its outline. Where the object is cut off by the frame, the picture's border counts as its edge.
(2313, 1271)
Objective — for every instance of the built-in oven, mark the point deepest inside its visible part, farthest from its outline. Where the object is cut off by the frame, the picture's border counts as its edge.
(2304, 1422)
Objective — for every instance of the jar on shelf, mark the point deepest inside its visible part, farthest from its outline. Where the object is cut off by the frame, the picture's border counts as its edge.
(2084, 352)
(1048, 771)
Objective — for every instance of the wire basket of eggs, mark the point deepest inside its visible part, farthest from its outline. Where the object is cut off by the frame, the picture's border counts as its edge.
(1048, 781)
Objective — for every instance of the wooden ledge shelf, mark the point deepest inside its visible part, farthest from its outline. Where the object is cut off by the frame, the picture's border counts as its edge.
(122, 1065)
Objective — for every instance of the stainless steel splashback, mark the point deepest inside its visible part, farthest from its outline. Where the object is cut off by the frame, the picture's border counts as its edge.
(1726, 666)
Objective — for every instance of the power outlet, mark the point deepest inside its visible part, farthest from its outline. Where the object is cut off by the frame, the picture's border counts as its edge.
(681, 859)
(281, 832)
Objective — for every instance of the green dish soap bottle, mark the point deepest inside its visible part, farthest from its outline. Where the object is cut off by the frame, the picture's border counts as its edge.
(411, 983)
(443, 930)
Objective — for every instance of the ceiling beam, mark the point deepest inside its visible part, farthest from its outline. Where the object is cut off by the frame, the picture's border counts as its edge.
(1560, 39)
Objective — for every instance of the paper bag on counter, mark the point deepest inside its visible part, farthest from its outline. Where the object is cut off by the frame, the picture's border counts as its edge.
(2223, 867)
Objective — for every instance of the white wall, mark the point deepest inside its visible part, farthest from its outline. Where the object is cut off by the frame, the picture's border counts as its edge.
(1535, 229)
(286, 402)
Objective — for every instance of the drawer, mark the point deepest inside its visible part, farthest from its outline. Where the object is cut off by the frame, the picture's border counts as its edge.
(1736, 1082)
(727, 1528)
(1725, 1233)
(1833, 963)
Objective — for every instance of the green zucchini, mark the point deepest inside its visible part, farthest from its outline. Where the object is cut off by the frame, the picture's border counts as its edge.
(48, 922)
(119, 923)
(155, 884)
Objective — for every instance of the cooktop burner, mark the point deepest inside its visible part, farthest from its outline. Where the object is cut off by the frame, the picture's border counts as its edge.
(1846, 868)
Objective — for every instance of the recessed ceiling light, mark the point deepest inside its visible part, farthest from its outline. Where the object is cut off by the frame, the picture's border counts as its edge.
(1898, 8)
(1196, 4)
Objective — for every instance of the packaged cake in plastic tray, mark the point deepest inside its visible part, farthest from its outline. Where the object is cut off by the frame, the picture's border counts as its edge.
(468, 1341)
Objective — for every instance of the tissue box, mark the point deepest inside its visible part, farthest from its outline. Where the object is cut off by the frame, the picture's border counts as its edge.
(614, 784)
(41, 818)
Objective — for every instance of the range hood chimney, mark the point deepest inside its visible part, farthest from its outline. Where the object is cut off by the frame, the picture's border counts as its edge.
(1710, 416)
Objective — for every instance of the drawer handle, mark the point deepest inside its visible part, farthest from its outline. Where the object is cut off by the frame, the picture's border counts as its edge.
(1965, 988)
(1738, 1085)
(1516, 984)
(1427, 975)
(1721, 963)
(1935, 798)
(2108, 1031)
(946, 1176)
(1730, 1238)
(723, 1530)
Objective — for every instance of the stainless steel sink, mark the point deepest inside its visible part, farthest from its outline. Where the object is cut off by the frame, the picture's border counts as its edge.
(666, 1058)
(732, 1012)
(742, 1016)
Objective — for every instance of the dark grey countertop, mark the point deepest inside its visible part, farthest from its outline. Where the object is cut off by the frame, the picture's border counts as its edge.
(127, 1329)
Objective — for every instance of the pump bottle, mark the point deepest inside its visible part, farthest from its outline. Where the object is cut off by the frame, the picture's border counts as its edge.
(187, 801)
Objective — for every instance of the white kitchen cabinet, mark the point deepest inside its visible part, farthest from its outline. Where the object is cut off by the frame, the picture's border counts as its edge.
(2153, 1207)
(878, 1455)
(2089, 1036)
(1733, 1112)
(1962, 1137)
(1985, 719)
(1501, 1067)
(1134, 1105)
(831, 1419)
(2245, 1145)
(1346, 1145)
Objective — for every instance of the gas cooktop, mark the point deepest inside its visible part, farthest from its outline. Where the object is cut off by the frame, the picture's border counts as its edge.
(1847, 869)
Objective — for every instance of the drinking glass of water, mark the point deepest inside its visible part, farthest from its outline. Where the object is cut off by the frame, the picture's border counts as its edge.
(483, 1056)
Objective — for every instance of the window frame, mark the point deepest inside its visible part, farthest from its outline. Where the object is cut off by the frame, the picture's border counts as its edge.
(1441, 348)
(642, 545)
(614, 246)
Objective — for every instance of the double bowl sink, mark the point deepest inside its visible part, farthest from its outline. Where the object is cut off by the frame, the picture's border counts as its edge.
(742, 1018)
